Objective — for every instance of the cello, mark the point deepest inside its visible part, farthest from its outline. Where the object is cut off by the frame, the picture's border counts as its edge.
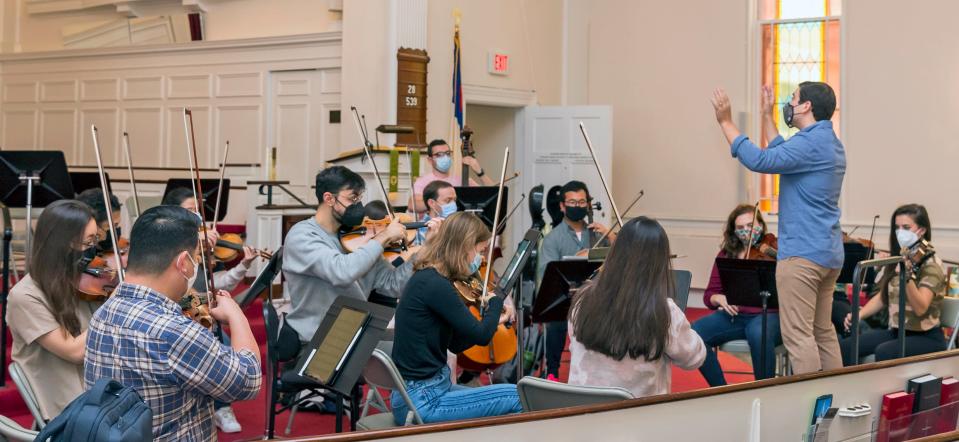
(476, 293)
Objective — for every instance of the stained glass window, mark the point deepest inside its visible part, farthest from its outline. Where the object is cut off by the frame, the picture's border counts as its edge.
(800, 42)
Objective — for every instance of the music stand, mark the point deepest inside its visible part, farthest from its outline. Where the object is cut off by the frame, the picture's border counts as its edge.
(88, 180)
(348, 358)
(210, 194)
(33, 178)
(751, 283)
(482, 201)
(263, 281)
(511, 280)
(854, 253)
(560, 277)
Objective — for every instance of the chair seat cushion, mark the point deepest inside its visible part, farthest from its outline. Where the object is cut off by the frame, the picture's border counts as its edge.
(377, 421)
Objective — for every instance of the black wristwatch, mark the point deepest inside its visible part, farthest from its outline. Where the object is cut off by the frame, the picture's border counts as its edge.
(481, 173)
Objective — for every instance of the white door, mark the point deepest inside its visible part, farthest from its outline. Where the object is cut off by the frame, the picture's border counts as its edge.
(552, 151)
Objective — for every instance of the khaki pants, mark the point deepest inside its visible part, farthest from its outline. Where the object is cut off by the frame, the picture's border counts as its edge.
(805, 314)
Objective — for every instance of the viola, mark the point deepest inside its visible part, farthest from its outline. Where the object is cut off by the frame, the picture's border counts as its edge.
(364, 233)
(195, 306)
(97, 281)
(765, 249)
(917, 254)
(230, 246)
(503, 347)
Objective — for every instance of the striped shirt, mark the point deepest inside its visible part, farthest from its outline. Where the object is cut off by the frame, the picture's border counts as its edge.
(141, 339)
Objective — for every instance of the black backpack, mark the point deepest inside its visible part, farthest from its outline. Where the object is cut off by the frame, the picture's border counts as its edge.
(106, 412)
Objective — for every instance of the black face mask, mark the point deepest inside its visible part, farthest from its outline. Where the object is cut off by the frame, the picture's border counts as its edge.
(86, 256)
(107, 244)
(352, 216)
(788, 114)
(575, 214)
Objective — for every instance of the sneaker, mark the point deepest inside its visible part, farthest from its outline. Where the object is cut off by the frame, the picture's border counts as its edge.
(226, 421)
(552, 378)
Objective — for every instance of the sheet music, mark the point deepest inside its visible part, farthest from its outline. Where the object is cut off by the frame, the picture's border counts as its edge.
(328, 357)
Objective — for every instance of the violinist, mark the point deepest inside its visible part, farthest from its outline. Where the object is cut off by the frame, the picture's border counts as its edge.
(743, 236)
(93, 197)
(47, 318)
(440, 157)
(926, 285)
(141, 338)
(568, 238)
(318, 268)
(433, 319)
(439, 197)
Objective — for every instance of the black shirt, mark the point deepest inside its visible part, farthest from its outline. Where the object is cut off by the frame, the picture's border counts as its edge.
(431, 319)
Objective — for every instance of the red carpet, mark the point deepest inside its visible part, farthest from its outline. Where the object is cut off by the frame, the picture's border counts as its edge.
(252, 414)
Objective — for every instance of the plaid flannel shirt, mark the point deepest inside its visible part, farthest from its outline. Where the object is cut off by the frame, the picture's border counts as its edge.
(141, 339)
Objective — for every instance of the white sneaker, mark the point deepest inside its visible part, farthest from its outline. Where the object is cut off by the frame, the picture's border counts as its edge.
(226, 420)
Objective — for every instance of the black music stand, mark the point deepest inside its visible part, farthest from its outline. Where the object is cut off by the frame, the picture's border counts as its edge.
(210, 194)
(30, 179)
(751, 283)
(560, 278)
(511, 280)
(482, 201)
(88, 180)
(263, 281)
(854, 253)
(349, 359)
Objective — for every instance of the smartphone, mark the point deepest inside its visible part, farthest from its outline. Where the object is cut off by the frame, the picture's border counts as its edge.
(822, 406)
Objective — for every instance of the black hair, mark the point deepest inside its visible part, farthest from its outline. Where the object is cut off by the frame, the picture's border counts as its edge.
(820, 96)
(375, 210)
(93, 197)
(336, 178)
(177, 196)
(434, 143)
(159, 235)
(573, 186)
(432, 190)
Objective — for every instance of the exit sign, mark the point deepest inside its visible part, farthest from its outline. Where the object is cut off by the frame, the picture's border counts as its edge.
(498, 63)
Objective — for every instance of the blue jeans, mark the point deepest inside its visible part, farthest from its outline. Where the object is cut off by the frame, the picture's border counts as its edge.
(720, 328)
(437, 400)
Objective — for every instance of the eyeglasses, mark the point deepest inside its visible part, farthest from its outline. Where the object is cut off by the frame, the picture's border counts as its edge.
(576, 203)
(89, 243)
(352, 199)
(442, 154)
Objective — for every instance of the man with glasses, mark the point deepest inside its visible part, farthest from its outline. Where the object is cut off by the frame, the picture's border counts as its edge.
(570, 237)
(318, 269)
(440, 158)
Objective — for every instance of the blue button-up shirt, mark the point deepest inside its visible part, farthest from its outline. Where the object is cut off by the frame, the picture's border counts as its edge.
(811, 165)
(141, 339)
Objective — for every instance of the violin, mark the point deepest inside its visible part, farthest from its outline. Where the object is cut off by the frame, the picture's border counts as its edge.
(364, 233)
(230, 246)
(97, 281)
(765, 249)
(195, 306)
(503, 347)
(917, 254)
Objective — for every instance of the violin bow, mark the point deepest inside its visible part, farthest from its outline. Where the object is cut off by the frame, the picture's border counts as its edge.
(616, 223)
(602, 177)
(509, 215)
(106, 201)
(219, 188)
(197, 188)
(752, 225)
(368, 149)
(133, 181)
(492, 239)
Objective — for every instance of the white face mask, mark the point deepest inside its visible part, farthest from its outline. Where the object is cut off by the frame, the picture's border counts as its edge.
(196, 271)
(906, 237)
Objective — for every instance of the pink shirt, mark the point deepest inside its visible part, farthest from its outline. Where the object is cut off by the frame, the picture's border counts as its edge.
(642, 378)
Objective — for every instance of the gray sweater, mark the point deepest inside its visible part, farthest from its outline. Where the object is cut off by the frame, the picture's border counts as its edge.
(318, 270)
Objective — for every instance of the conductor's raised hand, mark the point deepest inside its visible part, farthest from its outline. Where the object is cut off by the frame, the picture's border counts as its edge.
(767, 100)
(722, 106)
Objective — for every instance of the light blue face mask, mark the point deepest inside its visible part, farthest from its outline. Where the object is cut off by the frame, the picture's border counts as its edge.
(475, 265)
(448, 209)
(444, 163)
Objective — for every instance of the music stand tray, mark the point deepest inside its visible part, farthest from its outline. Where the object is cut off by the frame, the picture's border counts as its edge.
(751, 283)
(516, 264)
(263, 280)
(210, 194)
(482, 201)
(553, 298)
(344, 343)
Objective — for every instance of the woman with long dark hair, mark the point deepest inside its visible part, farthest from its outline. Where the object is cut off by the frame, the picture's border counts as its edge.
(731, 322)
(624, 329)
(925, 287)
(432, 319)
(47, 319)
